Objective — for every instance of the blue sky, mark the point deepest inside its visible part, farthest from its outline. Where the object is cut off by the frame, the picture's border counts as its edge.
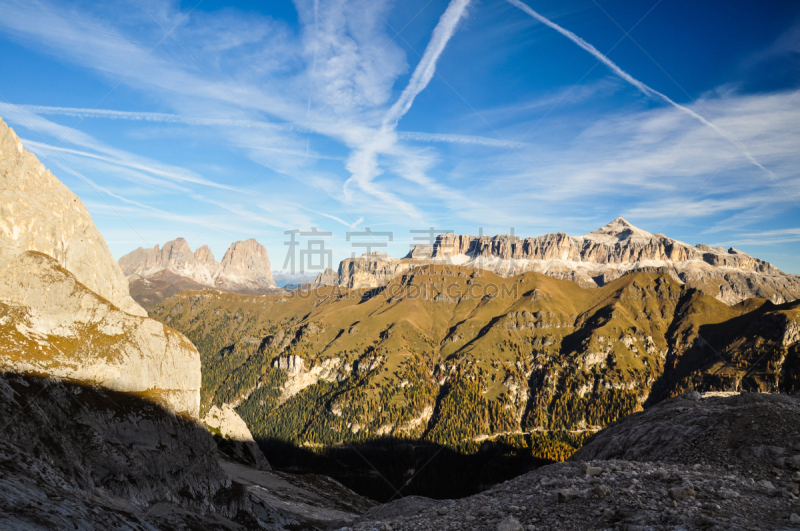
(225, 121)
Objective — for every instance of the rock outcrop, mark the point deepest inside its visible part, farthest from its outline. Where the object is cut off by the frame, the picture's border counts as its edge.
(233, 437)
(245, 266)
(160, 272)
(687, 463)
(594, 259)
(39, 213)
(372, 270)
(51, 324)
(64, 305)
(79, 457)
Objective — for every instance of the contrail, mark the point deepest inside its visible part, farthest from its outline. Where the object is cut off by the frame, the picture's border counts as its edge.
(427, 66)
(644, 89)
(362, 163)
(226, 122)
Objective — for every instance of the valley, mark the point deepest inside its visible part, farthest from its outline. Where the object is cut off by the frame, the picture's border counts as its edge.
(526, 368)
(399, 266)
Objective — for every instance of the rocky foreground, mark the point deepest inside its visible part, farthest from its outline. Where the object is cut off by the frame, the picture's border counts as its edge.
(688, 463)
(80, 457)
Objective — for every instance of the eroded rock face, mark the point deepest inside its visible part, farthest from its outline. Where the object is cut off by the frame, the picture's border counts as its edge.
(52, 324)
(245, 268)
(234, 438)
(594, 259)
(39, 213)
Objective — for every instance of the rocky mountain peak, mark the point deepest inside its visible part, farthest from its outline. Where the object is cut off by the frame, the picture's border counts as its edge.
(246, 261)
(244, 268)
(204, 255)
(618, 230)
(39, 213)
(176, 248)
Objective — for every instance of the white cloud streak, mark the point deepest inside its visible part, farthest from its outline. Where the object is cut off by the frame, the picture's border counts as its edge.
(644, 89)
(41, 147)
(158, 117)
(363, 163)
(427, 66)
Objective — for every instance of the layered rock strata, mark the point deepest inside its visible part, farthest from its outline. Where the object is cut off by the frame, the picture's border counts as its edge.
(594, 259)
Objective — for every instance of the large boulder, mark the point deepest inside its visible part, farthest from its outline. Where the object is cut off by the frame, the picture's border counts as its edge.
(52, 324)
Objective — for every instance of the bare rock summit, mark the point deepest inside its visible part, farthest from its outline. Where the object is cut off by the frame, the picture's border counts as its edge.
(158, 273)
(39, 213)
(246, 264)
(65, 309)
(591, 260)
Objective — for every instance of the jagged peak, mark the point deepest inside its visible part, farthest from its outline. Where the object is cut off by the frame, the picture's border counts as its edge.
(617, 230)
(178, 245)
(204, 255)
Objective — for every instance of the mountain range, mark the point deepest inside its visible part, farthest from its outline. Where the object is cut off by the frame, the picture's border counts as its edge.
(461, 357)
(116, 420)
(157, 273)
(591, 260)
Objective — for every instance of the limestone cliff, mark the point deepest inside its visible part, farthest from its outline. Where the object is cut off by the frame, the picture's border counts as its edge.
(39, 213)
(160, 272)
(65, 309)
(591, 260)
(233, 437)
(52, 324)
(372, 270)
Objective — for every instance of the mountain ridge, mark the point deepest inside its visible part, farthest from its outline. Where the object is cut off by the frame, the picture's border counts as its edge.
(65, 306)
(591, 260)
(462, 357)
(159, 272)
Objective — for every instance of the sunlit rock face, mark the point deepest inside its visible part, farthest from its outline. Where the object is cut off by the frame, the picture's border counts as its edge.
(244, 267)
(591, 260)
(39, 213)
(65, 309)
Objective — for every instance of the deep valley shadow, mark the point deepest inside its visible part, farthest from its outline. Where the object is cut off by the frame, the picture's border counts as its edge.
(389, 468)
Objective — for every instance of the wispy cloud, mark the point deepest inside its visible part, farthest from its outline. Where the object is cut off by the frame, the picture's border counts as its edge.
(363, 163)
(644, 89)
(460, 139)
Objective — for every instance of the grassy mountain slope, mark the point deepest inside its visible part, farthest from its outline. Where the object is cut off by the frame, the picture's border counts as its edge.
(457, 356)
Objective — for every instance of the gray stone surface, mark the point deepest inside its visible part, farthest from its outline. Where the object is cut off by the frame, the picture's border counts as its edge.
(711, 464)
(39, 213)
(80, 457)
